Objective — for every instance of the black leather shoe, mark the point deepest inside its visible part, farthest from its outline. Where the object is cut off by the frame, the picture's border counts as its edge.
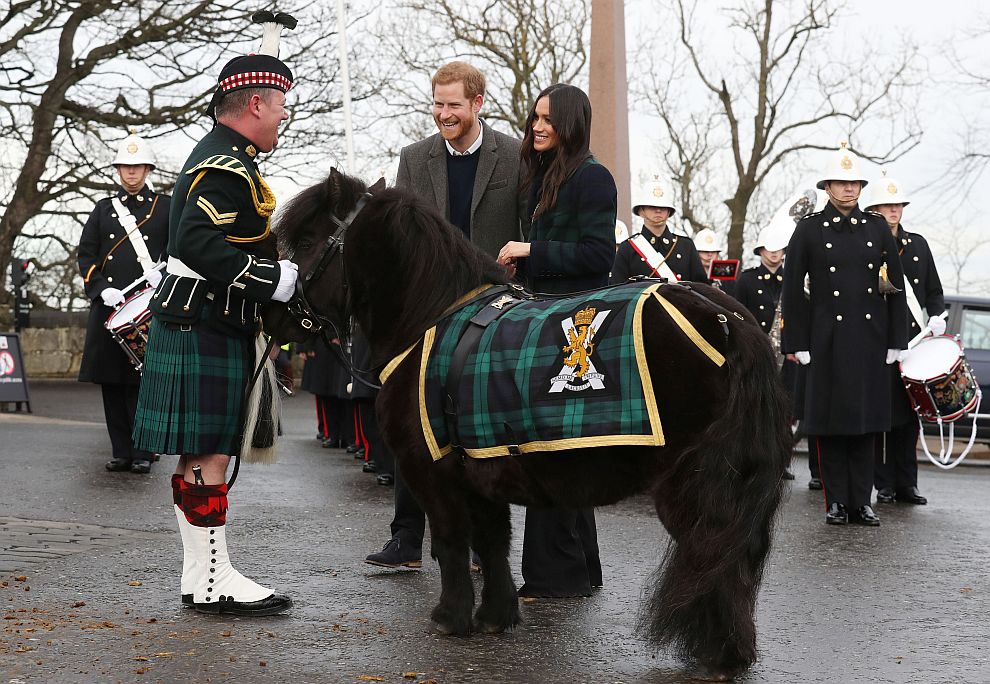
(266, 606)
(885, 495)
(116, 465)
(395, 555)
(385, 479)
(351, 448)
(911, 495)
(141, 467)
(359, 454)
(864, 515)
(836, 515)
(815, 483)
(369, 467)
(788, 475)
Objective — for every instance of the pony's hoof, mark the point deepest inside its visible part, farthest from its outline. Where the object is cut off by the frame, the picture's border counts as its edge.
(445, 629)
(490, 622)
(448, 625)
(707, 674)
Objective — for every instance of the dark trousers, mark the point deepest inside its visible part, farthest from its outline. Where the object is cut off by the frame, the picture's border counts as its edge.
(846, 465)
(560, 553)
(374, 443)
(896, 465)
(409, 520)
(119, 407)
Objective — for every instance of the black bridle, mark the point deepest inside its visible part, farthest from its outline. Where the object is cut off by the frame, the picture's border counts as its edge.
(303, 313)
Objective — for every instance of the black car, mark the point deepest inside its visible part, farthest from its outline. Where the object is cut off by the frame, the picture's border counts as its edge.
(969, 318)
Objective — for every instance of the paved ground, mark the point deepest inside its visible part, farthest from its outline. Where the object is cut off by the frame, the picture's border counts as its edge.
(89, 565)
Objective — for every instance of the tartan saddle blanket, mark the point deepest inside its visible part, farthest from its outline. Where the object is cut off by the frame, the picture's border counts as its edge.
(542, 375)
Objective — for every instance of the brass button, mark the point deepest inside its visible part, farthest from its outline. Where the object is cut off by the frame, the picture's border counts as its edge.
(916, 258)
(838, 317)
(869, 265)
(835, 293)
(869, 290)
(868, 316)
(869, 244)
(828, 245)
(832, 269)
(111, 236)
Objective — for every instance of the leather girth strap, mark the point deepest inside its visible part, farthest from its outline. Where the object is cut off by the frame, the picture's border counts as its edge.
(501, 301)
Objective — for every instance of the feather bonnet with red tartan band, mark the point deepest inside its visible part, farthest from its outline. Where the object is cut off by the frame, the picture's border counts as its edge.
(261, 70)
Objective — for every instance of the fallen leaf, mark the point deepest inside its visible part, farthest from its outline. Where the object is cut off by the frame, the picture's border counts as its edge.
(529, 599)
(24, 649)
(966, 590)
(134, 583)
(142, 659)
(164, 654)
(151, 621)
(370, 678)
(428, 681)
(141, 670)
(78, 604)
(21, 578)
(27, 588)
(225, 633)
(263, 663)
(410, 675)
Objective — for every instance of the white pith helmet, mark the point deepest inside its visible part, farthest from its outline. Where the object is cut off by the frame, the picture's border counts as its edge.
(135, 150)
(708, 241)
(657, 192)
(843, 166)
(774, 235)
(886, 191)
(621, 231)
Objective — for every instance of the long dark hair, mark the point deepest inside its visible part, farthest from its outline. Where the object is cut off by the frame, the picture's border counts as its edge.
(570, 112)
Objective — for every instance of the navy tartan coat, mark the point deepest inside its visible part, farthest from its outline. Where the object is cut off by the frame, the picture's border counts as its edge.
(572, 244)
(847, 325)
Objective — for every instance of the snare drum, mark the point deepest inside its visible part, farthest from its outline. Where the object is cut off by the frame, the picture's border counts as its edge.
(129, 325)
(939, 382)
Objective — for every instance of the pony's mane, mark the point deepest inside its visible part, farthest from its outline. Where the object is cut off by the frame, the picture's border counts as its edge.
(430, 264)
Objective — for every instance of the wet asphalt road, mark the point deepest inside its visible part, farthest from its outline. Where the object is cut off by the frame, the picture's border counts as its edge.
(908, 602)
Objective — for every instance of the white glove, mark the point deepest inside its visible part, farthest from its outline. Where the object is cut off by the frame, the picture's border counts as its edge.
(803, 357)
(286, 281)
(937, 325)
(112, 296)
(892, 355)
(153, 276)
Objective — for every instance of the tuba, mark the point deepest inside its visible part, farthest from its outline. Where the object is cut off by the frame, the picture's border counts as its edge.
(775, 336)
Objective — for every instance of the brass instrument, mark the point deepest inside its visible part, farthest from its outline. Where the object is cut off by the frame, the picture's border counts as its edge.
(775, 327)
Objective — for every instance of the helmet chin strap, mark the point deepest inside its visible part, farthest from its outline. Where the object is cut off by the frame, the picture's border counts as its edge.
(835, 200)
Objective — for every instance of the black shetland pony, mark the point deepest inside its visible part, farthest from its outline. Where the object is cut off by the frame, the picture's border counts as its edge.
(395, 264)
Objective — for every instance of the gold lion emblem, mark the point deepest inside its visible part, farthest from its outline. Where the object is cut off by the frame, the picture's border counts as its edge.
(846, 163)
(132, 148)
(892, 189)
(579, 349)
(658, 191)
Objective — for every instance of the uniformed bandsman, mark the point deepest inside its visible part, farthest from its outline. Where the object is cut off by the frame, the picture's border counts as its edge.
(206, 319)
(758, 288)
(656, 252)
(896, 467)
(846, 334)
(122, 241)
(710, 247)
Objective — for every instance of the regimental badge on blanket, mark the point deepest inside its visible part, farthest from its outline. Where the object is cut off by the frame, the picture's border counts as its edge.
(578, 372)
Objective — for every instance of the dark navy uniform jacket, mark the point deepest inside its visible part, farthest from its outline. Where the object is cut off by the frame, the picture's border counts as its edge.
(219, 228)
(759, 291)
(682, 258)
(107, 259)
(847, 325)
(920, 274)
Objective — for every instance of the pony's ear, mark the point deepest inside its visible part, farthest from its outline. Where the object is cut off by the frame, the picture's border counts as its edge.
(378, 186)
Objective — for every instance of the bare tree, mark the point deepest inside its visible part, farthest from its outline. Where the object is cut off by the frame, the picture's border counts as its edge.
(522, 46)
(770, 100)
(77, 75)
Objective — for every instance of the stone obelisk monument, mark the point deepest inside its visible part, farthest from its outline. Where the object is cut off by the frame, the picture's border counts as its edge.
(607, 89)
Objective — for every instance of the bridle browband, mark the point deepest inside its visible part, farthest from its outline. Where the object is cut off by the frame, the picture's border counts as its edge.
(301, 311)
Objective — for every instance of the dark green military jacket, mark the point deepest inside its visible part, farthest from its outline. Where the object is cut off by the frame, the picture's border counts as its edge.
(222, 265)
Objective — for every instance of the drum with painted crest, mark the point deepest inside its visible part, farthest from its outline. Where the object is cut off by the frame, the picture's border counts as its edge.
(129, 324)
(939, 382)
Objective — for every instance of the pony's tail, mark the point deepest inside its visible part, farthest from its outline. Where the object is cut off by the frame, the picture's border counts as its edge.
(727, 489)
(261, 419)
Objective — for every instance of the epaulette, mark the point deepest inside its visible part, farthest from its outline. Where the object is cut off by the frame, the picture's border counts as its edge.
(813, 214)
(751, 268)
(261, 194)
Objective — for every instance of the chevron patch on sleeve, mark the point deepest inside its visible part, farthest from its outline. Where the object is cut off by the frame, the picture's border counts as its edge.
(218, 218)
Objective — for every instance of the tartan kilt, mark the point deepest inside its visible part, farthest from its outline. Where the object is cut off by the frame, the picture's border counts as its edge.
(192, 390)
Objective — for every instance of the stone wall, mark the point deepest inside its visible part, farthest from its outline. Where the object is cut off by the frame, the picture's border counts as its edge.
(52, 352)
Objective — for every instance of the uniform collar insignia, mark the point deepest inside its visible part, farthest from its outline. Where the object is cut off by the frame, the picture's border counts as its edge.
(251, 151)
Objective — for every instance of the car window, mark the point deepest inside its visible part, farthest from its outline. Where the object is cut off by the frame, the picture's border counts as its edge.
(975, 329)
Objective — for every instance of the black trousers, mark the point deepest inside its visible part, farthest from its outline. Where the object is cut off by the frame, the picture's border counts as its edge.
(560, 553)
(896, 464)
(846, 465)
(409, 520)
(119, 407)
(375, 449)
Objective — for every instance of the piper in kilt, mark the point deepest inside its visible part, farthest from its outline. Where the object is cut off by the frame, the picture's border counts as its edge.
(206, 320)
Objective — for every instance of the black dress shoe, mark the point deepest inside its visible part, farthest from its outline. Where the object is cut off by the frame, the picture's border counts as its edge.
(885, 495)
(815, 483)
(227, 605)
(385, 479)
(369, 467)
(788, 475)
(351, 448)
(911, 495)
(395, 555)
(836, 515)
(864, 515)
(359, 454)
(141, 467)
(116, 465)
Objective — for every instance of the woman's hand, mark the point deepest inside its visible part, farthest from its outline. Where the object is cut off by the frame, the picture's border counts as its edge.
(511, 251)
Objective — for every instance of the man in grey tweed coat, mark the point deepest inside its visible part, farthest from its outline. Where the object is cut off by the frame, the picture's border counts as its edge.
(470, 172)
